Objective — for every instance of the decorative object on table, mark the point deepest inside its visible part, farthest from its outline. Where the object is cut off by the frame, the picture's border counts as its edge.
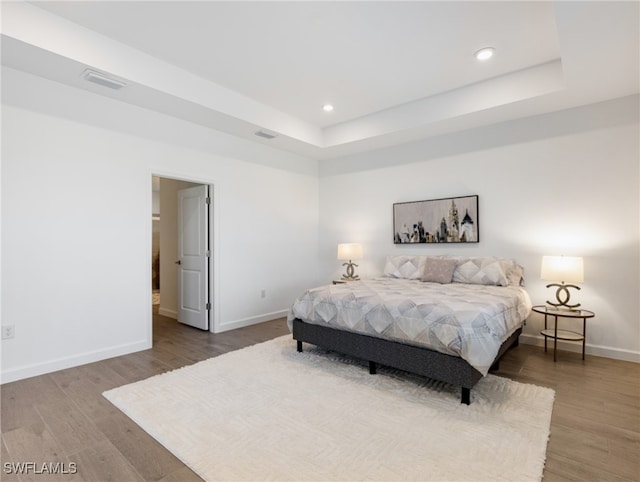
(448, 220)
(348, 252)
(567, 270)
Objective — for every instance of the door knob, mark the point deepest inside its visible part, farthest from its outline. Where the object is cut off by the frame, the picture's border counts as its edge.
(178, 262)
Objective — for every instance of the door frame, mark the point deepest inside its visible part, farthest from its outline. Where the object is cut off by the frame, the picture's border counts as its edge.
(214, 240)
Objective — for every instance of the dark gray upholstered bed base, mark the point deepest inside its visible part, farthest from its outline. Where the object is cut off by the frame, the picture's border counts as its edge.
(421, 361)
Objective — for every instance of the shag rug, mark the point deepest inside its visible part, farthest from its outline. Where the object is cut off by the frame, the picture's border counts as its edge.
(267, 412)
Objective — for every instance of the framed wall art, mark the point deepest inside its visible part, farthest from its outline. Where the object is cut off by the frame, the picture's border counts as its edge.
(448, 220)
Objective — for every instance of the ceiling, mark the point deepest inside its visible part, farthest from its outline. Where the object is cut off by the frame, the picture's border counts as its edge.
(394, 71)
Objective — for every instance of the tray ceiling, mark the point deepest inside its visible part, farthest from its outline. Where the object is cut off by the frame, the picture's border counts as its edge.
(394, 71)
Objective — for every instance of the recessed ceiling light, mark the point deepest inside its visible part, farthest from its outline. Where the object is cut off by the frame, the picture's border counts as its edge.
(327, 107)
(485, 53)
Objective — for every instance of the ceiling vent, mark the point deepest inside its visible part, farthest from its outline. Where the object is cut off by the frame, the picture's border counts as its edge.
(102, 79)
(265, 134)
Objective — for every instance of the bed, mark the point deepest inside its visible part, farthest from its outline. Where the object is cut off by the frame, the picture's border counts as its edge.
(446, 318)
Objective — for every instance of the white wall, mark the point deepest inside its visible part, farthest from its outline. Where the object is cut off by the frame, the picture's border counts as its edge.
(76, 222)
(564, 183)
(76, 215)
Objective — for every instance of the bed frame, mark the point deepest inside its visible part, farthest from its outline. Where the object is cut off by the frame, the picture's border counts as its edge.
(421, 361)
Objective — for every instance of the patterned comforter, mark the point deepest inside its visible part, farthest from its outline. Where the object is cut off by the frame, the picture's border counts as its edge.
(466, 320)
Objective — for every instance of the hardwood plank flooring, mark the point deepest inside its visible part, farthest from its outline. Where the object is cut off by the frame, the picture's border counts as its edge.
(62, 416)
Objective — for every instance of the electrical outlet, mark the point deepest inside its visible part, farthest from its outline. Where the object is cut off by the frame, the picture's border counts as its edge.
(8, 331)
(263, 294)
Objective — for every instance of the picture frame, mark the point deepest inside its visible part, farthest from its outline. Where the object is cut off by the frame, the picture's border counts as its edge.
(445, 220)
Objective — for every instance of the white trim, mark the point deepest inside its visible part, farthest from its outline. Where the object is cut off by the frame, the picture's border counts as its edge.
(596, 350)
(214, 260)
(168, 313)
(144, 264)
(49, 366)
(253, 320)
(214, 217)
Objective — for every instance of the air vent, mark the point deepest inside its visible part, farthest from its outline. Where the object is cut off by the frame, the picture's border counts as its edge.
(102, 79)
(266, 135)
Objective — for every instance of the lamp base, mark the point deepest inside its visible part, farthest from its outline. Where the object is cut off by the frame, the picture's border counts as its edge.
(350, 274)
(563, 296)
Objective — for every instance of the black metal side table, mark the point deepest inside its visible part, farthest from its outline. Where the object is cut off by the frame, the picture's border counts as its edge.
(556, 334)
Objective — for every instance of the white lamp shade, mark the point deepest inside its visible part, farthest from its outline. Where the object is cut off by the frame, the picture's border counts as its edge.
(349, 251)
(562, 268)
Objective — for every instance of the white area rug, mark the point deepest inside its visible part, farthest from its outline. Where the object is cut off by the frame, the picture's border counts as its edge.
(269, 413)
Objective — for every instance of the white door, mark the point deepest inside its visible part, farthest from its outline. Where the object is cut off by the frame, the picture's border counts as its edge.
(193, 257)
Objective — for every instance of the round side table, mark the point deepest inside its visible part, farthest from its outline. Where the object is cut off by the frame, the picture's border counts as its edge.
(556, 334)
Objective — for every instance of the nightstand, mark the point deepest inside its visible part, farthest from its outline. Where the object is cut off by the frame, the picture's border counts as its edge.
(567, 335)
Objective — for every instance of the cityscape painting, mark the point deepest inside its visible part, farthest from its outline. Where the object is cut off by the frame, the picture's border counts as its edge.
(448, 220)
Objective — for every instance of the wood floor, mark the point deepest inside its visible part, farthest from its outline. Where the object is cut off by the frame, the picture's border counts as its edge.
(62, 416)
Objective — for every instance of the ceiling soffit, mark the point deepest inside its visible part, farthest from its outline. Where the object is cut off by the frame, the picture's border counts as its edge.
(36, 41)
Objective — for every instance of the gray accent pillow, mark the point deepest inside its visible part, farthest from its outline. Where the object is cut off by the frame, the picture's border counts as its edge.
(439, 270)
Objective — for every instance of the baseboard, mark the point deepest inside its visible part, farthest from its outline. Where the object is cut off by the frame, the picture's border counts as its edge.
(596, 350)
(233, 325)
(168, 313)
(36, 369)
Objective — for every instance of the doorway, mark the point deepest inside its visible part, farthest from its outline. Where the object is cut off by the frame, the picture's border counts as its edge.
(168, 271)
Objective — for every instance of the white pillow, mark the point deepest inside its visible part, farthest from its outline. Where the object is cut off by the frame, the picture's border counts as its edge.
(481, 271)
(406, 267)
(514, 272)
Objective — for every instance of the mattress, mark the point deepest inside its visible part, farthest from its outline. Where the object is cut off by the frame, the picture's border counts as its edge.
(466, 320)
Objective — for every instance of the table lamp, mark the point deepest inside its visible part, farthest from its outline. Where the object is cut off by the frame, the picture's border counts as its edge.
(565, 269)
(349, 252)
